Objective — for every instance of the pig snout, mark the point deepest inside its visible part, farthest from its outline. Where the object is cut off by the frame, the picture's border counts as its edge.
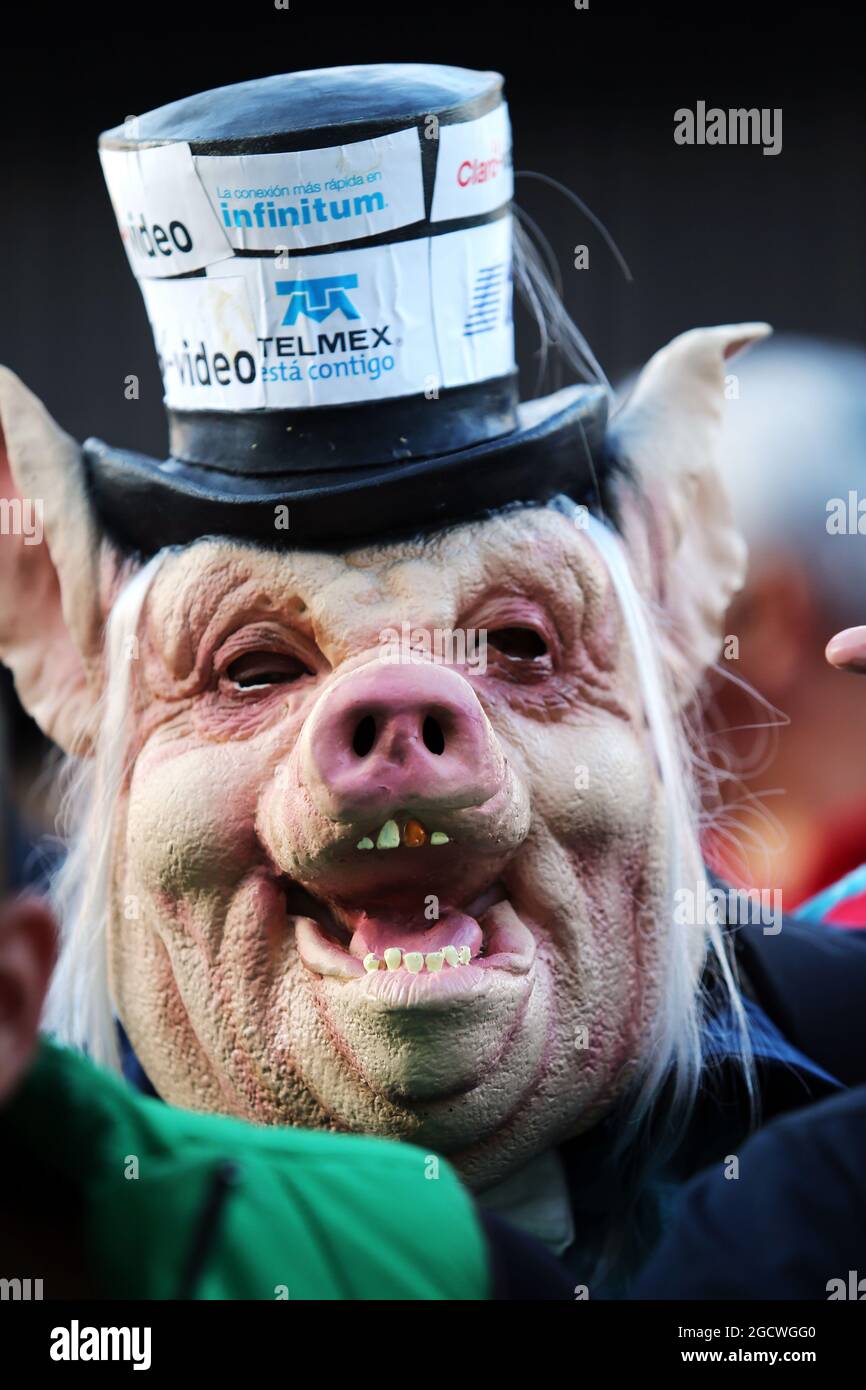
(413, 737)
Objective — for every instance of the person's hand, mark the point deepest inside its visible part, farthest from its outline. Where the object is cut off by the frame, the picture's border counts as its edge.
(847, 650)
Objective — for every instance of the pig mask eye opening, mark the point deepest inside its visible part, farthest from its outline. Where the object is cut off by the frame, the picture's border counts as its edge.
(254, 670)
(518, 643)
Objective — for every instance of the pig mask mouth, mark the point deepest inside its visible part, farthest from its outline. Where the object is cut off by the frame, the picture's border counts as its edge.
(398, 945)
(411, 814)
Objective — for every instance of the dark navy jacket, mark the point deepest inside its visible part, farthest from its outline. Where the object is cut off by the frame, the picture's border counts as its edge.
(792, 1224)
(651, 1226)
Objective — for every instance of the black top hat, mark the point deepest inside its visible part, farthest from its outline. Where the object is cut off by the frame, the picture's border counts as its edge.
(325, 258)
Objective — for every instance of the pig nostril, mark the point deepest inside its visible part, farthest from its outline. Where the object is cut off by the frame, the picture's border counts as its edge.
(434, 739)
(365, 736)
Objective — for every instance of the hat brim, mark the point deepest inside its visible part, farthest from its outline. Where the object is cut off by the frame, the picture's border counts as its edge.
(557, 447)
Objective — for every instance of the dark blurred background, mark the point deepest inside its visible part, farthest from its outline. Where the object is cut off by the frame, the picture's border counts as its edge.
(710, 234)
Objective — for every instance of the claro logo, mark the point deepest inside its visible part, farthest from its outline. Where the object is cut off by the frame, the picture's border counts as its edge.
(475, 171)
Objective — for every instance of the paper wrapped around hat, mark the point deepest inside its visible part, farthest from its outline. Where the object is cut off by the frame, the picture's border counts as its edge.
(326, 262)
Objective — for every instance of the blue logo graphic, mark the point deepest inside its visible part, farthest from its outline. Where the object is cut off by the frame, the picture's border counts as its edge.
(486, 293)
(318, 299)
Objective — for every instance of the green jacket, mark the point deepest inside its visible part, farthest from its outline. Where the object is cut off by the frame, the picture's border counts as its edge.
(223, 1209)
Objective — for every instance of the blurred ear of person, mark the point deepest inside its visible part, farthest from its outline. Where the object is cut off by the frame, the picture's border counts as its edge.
(793, 455)
(27, 954)
(778, 625)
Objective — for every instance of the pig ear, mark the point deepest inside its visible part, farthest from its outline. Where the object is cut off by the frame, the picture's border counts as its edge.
(50, 621)
(674, 507)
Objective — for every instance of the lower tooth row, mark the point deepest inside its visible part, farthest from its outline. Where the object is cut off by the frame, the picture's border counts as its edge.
(414, 961)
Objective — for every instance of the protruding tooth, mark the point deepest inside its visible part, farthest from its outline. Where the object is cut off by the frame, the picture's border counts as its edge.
(414, 834)
(413, 961)
(389, 836)
(366, 843)
(450, 954)
(371, 961)
(464, 955)
(439, 838)
(393, 957)
(435, 960)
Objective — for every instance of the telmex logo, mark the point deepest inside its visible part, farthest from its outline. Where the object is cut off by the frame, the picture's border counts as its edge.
(318, 299)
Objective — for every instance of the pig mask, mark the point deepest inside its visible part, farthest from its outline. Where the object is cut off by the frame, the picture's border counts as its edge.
(262, 739)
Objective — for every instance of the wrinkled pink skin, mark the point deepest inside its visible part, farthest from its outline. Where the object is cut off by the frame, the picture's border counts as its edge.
(238, 795)
(237, 830)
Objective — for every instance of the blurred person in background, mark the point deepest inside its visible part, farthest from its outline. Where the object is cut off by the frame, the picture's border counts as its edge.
(791, 761)
(794, 1224)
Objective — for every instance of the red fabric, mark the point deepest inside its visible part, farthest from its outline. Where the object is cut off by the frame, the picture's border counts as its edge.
(841, 848)
(850, 912)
